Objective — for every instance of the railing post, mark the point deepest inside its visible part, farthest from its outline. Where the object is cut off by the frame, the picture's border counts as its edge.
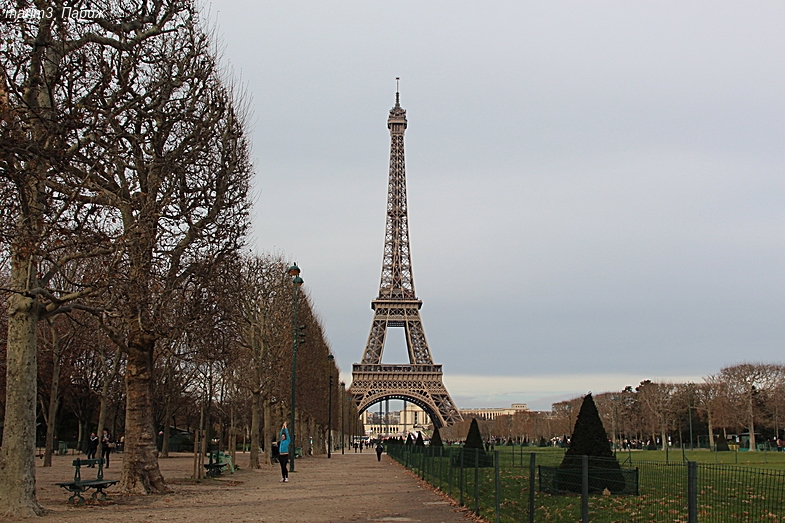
(692, 492)
(460, 479)
(532, 483)
(441, 462)
(449, 470)
(585, 489)
(477, 481)
(498, 487)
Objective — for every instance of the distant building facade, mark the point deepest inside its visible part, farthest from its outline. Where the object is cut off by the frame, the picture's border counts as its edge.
(492, 414)
(395, 423)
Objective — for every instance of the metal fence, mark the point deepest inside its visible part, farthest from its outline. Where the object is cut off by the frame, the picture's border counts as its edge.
(511, 485)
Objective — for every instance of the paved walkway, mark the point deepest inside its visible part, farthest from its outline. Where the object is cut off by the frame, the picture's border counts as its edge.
(350, 487)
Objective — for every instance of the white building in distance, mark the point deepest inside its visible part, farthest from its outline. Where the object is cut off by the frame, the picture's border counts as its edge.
(492, 414)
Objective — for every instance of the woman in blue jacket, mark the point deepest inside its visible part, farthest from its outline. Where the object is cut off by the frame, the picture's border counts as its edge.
(283, 453)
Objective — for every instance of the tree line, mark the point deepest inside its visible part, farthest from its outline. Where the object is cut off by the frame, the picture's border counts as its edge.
(746, 398)
(131, 299)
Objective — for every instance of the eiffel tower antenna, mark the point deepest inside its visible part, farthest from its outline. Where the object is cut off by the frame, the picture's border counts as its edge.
(397, 305)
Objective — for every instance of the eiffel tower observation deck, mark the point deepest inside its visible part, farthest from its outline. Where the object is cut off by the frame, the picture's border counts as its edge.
(397, 305)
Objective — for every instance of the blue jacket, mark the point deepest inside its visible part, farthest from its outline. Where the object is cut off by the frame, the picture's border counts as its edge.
(283, 446)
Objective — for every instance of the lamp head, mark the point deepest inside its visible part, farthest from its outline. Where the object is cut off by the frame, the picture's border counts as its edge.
(294, 270)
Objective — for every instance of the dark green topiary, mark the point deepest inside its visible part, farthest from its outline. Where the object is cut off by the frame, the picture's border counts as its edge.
(419, 442)
(509, 442)
(471, 456)
(409, 440)
(590, 439)
(652, 445)
(721, 444)
(436, 439)
(473, 438)
(542, 442)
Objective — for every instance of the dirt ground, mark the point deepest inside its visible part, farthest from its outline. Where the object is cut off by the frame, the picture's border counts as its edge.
(350, 487)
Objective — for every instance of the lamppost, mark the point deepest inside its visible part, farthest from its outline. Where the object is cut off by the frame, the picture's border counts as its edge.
(343, 407)
(330, 359)
(294, 272)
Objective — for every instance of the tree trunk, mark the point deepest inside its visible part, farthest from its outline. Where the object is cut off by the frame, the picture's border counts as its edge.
(268, 430)
(104, 393)
(17, 455)
(167, 423)
(141, 474)
(711, 429)
(54, 401)
(751, 414)
(255, 429)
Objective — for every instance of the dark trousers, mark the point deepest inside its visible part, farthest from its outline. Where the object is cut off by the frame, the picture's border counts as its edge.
(378, 455)
(283, 459)
(105, 455)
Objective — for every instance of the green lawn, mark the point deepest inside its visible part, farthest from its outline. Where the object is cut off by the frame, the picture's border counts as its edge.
(768, 460)
(752, 491)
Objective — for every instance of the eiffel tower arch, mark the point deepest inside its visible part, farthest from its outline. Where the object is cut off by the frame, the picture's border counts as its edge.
(397, 305)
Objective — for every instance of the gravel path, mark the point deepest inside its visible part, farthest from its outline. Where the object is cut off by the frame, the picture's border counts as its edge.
(349, 487)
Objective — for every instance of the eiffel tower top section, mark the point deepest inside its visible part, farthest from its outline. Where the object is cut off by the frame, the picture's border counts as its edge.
(397, 281)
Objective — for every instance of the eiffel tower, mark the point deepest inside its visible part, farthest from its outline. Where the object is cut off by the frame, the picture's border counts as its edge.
(397, 305)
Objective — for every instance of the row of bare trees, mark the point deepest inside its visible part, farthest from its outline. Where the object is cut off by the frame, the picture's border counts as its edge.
(124, 180)
(743, 398)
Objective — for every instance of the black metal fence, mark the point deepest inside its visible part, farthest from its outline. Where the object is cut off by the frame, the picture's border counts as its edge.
(509, 485)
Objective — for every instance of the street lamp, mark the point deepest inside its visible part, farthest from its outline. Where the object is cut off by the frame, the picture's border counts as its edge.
(343, 407)
(294, 272)
(330, 359)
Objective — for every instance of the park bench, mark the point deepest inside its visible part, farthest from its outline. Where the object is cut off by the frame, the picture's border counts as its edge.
(215, 467)
(79, 485)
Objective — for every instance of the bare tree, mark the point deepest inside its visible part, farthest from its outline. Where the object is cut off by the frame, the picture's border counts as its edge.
(60, 337)
(45, 75)
(655, 406)
(744, 382)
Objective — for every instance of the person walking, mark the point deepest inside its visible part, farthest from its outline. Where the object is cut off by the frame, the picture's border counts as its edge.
(283, 453)
(379, 450)
(106, 446)
(92, 447)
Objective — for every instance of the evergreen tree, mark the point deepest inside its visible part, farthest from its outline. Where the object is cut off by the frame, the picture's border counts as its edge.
(409, 440)
(590, 439)
(721, 444)
(473, 438)
(420, 442)
(474, 441)
(436, 439)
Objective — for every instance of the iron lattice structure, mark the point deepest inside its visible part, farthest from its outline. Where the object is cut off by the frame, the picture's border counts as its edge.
(398, 306)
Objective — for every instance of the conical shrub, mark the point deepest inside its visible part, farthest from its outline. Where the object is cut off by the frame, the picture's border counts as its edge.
(420, 442)
(470, 455)
(436, 439)
(590, 439)
(473, 438)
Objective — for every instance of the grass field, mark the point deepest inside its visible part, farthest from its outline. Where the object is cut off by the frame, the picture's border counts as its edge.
(753, 490)
(769, 460)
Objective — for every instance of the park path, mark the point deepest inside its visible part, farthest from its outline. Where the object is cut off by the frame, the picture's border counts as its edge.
(349, 487)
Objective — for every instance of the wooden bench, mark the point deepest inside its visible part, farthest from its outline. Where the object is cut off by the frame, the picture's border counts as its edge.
(79, 485)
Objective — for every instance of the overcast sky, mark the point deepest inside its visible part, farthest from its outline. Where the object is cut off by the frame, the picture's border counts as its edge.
(596, 189)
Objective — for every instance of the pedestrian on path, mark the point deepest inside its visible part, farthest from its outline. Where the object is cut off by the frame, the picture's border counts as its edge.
(379, 450)
(106, 446)
(283, 453)
(92, 447)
